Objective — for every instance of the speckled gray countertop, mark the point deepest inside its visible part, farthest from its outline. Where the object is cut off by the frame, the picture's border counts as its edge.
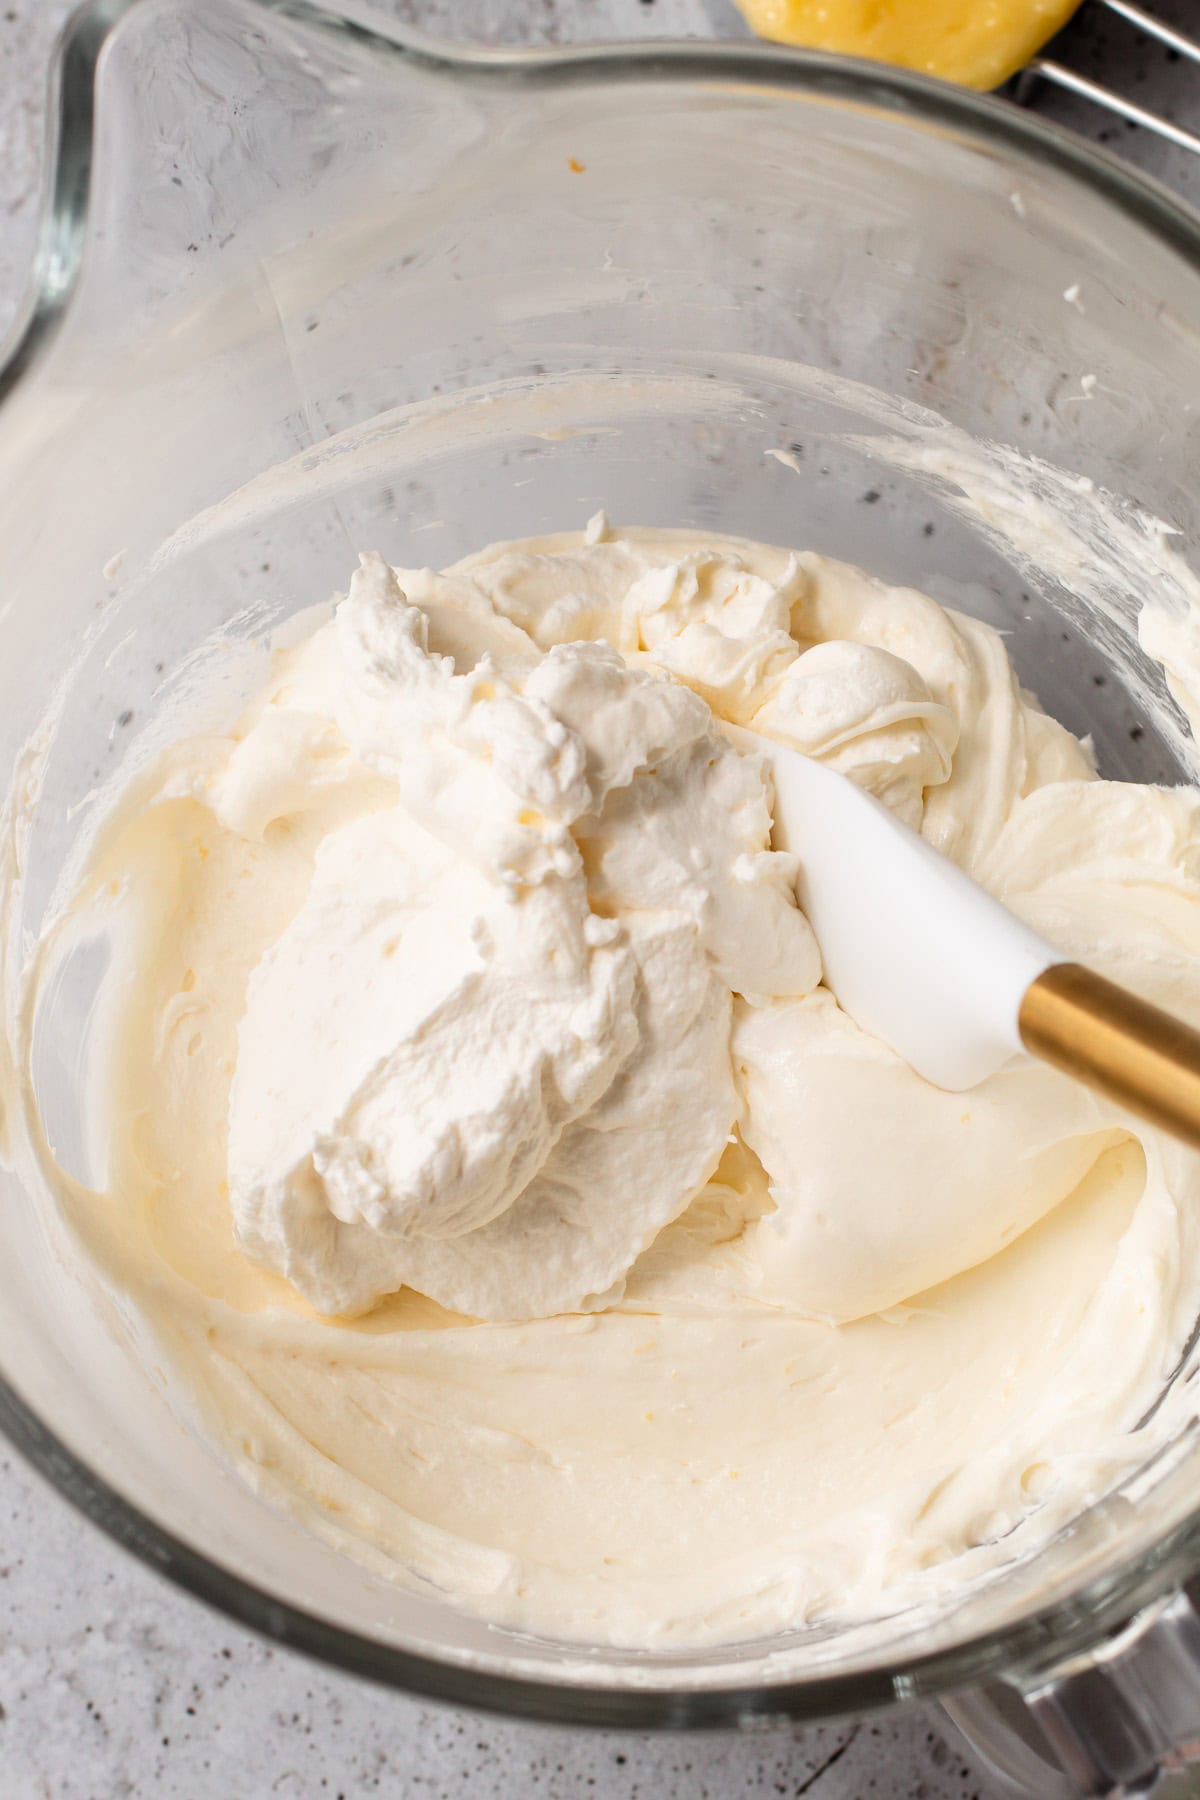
(114, 1686)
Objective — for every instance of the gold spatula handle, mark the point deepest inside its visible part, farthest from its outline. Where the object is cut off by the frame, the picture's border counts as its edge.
(1110, 1040)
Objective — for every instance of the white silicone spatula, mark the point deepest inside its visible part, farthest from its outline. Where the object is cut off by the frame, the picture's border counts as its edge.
(921, 956)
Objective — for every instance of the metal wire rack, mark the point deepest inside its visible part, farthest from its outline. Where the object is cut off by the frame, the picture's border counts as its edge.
(1046, 69)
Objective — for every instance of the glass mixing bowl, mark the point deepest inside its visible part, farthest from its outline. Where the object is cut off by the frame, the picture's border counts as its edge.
(306, 286)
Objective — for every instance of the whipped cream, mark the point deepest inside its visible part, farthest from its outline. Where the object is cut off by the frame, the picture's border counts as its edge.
(488, 1154)
(488, 1057)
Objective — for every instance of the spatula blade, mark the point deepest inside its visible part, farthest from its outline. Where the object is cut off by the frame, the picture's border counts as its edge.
(915, 951)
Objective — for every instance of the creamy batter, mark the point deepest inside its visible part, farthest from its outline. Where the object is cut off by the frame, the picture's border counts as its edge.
(493, 1167)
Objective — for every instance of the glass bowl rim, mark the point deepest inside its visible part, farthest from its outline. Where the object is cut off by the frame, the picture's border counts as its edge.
(1062, 1628)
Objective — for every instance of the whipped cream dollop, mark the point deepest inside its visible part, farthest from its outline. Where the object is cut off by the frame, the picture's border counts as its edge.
(488, 1057)
(486, 1151)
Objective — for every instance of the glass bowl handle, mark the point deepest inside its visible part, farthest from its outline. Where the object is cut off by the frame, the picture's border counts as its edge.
(1114, 1721)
